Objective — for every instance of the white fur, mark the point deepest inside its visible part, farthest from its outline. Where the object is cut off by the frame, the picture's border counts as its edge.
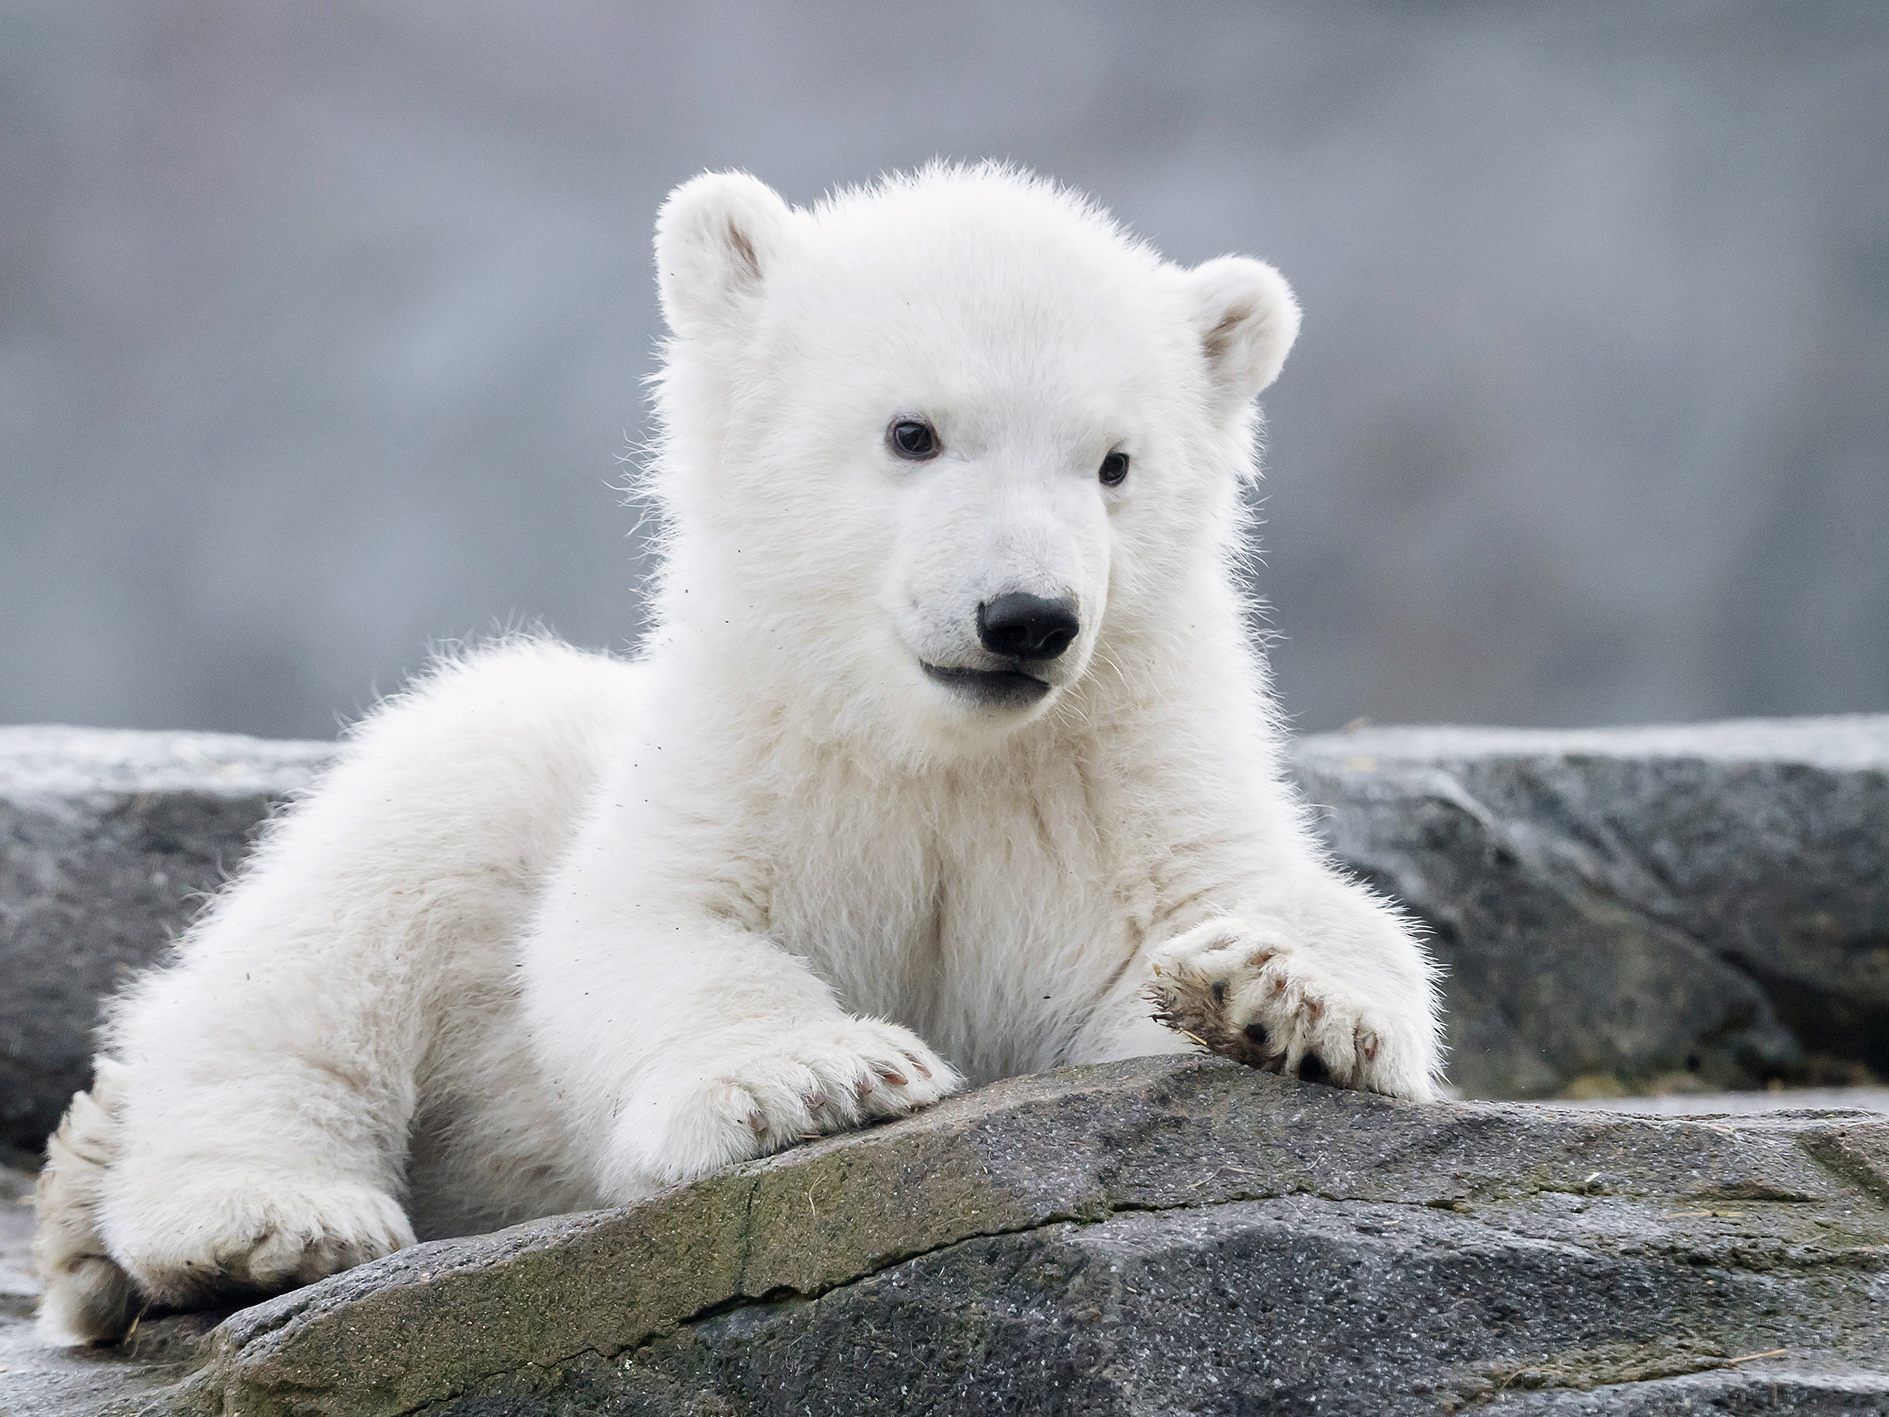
(559, 930)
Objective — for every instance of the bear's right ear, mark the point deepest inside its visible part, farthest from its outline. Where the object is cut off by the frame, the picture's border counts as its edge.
(716, 238)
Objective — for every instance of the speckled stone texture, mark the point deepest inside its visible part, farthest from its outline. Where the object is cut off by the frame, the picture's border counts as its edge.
(1627, 907)
(1171, 1236)
(1706, 905)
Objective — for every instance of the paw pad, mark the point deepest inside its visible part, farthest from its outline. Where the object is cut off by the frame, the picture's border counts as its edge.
(1265, 1004)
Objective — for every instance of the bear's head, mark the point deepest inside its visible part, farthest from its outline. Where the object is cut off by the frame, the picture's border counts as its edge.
(940, 455)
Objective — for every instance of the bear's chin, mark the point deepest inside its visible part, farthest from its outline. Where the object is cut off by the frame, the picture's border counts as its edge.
(974, 718)
(925, 725)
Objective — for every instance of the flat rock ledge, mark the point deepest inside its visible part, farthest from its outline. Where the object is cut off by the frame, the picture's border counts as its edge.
(1174, 1236)
(1619, 910)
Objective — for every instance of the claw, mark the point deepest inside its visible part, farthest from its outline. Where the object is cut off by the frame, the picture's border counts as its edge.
(896, 1079)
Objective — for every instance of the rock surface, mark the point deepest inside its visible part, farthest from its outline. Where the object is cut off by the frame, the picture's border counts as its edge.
(1616, 908)
(1180, 1236)
(1705, 904)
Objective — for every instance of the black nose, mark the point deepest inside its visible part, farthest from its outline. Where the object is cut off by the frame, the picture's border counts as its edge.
(1027, 626)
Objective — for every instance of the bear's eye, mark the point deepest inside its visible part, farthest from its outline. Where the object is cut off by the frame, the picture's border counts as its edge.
(913, 439)
(1114, 469)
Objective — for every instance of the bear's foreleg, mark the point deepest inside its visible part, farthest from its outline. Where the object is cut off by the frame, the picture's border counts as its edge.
(682, 1047)
(1254, 945)
(263, 1094)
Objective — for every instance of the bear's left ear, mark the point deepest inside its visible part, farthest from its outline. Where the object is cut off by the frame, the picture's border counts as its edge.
(716, 239)
(1246, 320)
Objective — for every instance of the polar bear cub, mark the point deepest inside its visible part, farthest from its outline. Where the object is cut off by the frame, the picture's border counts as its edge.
(950, 759)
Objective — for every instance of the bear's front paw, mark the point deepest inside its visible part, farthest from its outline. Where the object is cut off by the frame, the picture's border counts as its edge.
(816, 1079)
(186, 1239)
(1248, 994)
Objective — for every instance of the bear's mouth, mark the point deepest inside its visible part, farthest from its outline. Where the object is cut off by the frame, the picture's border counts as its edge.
(997, 688)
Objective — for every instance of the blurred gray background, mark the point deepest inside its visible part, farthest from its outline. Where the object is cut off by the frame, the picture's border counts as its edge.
(321, 325)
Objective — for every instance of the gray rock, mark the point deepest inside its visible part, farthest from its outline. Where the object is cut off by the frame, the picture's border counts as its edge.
(1710, 901)
(107, 842)
(1692, 1104)
(1167, 1235)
